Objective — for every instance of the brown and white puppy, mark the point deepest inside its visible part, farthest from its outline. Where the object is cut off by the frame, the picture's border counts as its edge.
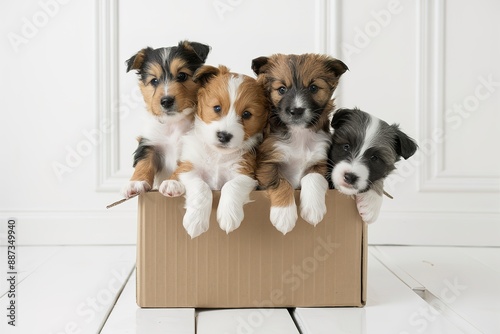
(219, 153)
(363, 153)
(165, 80)
(294, 155)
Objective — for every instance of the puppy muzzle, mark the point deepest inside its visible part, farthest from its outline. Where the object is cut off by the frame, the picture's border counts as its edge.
(168, 105)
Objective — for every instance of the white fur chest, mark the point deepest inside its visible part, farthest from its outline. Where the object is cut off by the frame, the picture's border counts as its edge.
(212, 166)
(166, 137)
(304, 149)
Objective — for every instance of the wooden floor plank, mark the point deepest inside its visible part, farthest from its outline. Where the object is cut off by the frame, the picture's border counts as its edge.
(463, 286)
(127, 318)
(388, 262)
(489, 256)
(73, 289)
(392, 307)
(71, 292)
(255, 321)
(28, 258)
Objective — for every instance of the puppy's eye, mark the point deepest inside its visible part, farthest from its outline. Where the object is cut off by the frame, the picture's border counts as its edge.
(182, 77)
(346, 147)
(246, 114)
(374, 158)
(282, 90)
(217, 109)
(154, 82)
(313, 89)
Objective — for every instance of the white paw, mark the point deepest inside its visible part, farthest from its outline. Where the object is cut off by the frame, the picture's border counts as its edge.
(172, 188)
(234, 194)
(312, 198)
(230, 221)
(313, 213)
(229, 212)
(195, 222)
(229, 215)
(369, 204)
(284, 218)
(135, 188)
(198, 207)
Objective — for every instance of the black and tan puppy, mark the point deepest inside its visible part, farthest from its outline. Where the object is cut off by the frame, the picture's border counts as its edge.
(294, 154)
(170, 94)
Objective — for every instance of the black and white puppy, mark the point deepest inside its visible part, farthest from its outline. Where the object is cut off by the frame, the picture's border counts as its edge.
(363, 153)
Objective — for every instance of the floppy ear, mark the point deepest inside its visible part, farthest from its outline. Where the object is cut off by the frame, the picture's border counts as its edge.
(260, 65)
(336, 66)
(136, 61)
(201, 50)
(340, 117)
(405, 146)
(204, 74)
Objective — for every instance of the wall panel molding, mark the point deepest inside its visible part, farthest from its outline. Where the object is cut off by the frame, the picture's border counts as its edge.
(108, 159)
(328, 27)
(328, 33)
(431, 109)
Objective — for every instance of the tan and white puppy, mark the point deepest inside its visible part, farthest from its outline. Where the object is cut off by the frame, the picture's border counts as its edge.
(165, 80)
(219, 153)
(294, 155)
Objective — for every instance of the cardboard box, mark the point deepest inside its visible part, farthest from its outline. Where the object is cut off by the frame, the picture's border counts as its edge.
(253, 266)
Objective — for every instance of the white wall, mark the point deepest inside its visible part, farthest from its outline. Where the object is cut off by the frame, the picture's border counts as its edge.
(68, 102)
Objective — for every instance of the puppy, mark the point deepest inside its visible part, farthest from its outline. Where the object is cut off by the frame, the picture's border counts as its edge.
(364, 151)
(165, 80)
(294, 155)
(219, 154)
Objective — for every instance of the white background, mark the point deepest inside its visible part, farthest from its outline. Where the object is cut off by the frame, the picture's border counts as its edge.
(70, 112)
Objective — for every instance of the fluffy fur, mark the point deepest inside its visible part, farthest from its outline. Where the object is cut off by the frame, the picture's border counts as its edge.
(294, 154)
(165, 80)
(219, 153)
(364, 151)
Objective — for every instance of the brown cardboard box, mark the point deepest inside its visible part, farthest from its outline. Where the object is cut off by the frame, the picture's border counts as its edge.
(254, 266)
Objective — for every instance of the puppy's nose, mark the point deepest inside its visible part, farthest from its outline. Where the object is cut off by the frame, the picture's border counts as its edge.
(296, 111)
(167, 101)
(224, 137)
(350, 178)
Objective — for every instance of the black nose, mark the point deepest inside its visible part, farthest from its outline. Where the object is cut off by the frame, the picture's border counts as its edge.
(295, 111)
(167, 101)
(350, 178)
(224, 137)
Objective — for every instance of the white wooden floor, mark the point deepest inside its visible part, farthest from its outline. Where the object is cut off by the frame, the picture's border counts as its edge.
(91, 289)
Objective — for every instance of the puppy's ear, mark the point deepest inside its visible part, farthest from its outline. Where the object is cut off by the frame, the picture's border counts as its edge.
(260, 65)
(204, 74)
(340, 117)
(136, 61)
(201, 50)
(336, 66)
(405, 146)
